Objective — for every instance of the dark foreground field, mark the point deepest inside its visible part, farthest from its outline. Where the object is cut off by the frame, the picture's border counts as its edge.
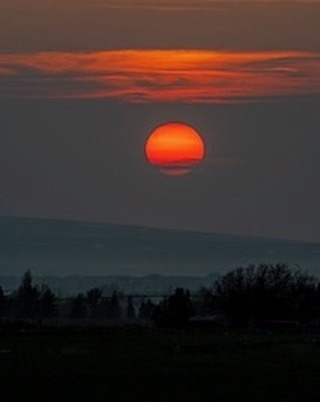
(153, 365)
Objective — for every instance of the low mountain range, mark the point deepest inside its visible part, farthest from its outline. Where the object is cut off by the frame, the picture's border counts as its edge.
(61, 248)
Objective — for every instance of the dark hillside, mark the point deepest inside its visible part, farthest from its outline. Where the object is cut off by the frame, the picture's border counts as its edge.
(56, 247)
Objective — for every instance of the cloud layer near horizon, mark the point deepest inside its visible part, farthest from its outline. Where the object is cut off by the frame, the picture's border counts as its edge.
(189, 76)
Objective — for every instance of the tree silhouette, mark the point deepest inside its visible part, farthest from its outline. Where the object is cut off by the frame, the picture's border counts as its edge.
(256, 293)
(28, 297)
(3, 302)
(115, 308)
(93, 299)
(175, 310)
(78, 306)
(131, 314)
(48, 302)
(146, 310)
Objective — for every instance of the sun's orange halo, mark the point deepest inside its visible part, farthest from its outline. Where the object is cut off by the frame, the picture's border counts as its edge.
(175, 148)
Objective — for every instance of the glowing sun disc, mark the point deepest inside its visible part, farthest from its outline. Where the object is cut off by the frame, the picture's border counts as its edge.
(175, 148)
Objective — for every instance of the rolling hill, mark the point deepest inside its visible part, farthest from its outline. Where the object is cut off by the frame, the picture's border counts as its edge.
(68, 248)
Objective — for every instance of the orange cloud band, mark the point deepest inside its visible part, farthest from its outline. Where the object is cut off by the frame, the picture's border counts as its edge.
(189, 76)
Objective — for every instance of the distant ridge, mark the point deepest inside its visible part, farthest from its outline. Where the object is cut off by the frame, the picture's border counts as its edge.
(62, 247)
(146, 286)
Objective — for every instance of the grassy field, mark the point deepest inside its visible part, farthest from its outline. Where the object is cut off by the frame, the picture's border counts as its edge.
(159, 365)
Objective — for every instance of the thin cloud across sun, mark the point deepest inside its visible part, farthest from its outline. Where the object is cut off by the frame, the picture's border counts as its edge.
(151, 76)
(175, 148)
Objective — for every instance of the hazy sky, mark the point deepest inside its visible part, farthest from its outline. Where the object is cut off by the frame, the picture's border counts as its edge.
(83, 83)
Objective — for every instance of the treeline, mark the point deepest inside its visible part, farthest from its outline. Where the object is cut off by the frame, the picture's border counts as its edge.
(257, 294)
(250, 296)
(36, 303)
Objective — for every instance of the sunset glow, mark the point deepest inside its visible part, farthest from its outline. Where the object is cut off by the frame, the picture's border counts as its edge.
(175, 148)
(140, 76)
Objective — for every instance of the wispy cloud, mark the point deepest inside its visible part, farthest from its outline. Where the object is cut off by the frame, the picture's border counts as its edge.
(183, 5)
(190, 4)
(190, 76)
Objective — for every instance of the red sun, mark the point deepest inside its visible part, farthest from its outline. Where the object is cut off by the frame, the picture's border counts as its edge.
(175, 148)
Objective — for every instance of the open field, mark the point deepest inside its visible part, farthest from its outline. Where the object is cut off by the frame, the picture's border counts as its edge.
(159, 365)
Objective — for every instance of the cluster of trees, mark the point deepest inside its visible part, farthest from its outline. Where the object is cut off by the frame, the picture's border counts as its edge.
(28, 301)
(93, 304)
(33, 302)
(255, 294)
(175, 310)
(250, 296)
(244, 296)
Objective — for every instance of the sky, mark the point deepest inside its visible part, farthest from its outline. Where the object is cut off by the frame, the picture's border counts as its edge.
(83, 84)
